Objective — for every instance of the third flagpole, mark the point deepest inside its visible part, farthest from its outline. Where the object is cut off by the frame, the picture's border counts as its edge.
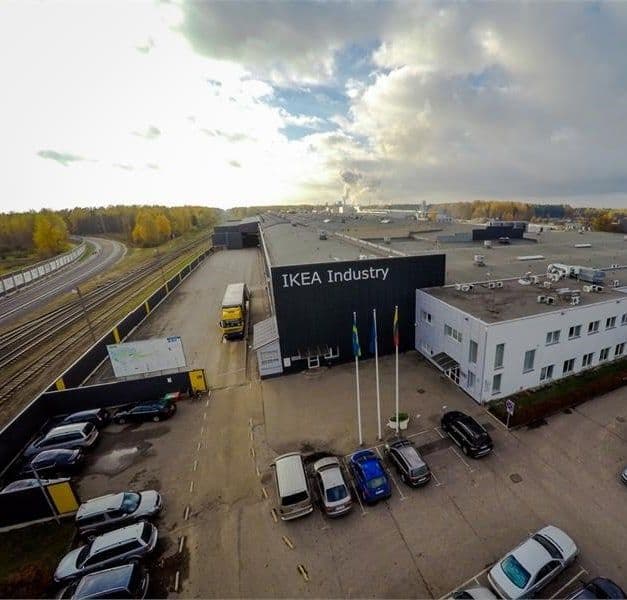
(396, 342)
(357, 354)
(376, 370)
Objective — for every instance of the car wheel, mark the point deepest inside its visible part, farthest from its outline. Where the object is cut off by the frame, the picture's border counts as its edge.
(156, 418)
(403, 478)
(465, 449)
(121, 421)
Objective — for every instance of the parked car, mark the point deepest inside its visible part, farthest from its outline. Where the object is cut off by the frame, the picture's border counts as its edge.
(292, 487)
(155, 410)
(76, 435)
(117, 510)
(55, 462)
(370, 478)
(334, 493)
(623, 476)
(98, 417)
(24, 484)
(469, 435)
(125, 581)
(534, 563)
(411, 467)
(476, 593)
(599, 587)
(107, 550)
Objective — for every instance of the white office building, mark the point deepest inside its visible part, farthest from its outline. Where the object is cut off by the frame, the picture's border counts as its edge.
(494, 339)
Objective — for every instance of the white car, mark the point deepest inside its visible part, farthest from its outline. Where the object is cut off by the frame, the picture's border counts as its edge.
(533, 564)
(476, 593)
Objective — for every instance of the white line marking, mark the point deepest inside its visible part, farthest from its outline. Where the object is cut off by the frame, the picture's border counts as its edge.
(198, 447)
(195, 465)
(557, 594)
(460, 458)
(202, 430)
(186, 515)
(176, 581)
(363, 512)
(204, 416)
(390, 475)
(207, 402)
(181, 542)
(437, 481)
(440, 433)
(191, 486)
(463, 585)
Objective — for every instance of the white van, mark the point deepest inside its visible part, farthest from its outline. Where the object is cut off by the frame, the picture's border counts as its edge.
(291, 486)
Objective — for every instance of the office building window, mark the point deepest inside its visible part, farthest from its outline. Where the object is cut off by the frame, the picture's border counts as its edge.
(604, 354)
(552, 337)
(546, 372)
(471, 379)
(452, 333)
(574, 332)
(425, 316)
(593, 327)
(472, 351)
(619, 350)
(586, 361)
(569, 365)
(623, 319)
(610, 323)
(499, 355)
(496, 383)
(530, 357)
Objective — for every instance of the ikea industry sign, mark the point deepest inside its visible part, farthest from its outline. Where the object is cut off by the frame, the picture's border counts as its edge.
(332, 276)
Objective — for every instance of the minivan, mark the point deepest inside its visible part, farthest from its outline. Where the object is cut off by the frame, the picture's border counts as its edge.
(291, 486)
(71, 437)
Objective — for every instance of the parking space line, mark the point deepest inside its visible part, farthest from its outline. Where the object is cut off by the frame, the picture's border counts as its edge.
(470, 469)
(461, 586)
(202, 429)
(441, 434)
(199, 446)
(195, 465)
(186, 515)
(350, 477)
(389, 472)
(579, 574)
(181, 542)
(437, 481)
(191, 486)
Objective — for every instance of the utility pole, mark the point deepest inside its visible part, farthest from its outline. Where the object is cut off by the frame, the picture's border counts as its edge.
(89, 325)
(160, 264)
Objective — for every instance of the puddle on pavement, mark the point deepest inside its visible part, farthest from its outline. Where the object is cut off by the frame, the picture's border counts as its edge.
(117, 460)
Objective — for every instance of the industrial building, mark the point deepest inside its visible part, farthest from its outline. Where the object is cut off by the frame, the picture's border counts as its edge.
(233, 235)
(316, 285)
(496, 338)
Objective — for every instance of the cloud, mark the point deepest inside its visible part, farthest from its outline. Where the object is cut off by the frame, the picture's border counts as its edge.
(63, 158)
(150, 133)
(152, 166)
(235, 163)
(124, 166)
(147, 47)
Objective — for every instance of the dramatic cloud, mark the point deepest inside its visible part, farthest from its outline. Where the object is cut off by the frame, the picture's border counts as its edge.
(63, 158)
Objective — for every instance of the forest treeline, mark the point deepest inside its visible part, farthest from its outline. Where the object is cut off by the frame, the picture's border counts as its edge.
(47, 232)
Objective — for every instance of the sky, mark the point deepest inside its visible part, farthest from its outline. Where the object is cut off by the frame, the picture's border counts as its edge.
(251, 103)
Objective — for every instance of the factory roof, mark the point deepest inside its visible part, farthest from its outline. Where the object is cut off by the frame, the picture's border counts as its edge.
(517, 298)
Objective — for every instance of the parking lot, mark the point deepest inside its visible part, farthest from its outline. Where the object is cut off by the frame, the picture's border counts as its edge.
(211, 462)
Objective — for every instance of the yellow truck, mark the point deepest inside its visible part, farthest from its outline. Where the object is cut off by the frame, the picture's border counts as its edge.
(234, 311)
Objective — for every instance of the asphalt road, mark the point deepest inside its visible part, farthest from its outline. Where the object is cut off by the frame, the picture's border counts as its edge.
(107, 253)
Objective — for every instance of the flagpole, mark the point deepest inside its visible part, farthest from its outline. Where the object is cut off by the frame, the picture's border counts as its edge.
(376, 370)
(357, 383)
(396, 344)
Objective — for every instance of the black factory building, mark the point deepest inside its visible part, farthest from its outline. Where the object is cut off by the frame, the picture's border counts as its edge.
(314, 306)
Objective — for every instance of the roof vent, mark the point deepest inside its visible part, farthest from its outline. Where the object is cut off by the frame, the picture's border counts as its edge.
(458, 286)
(541, 299)
(499, 284)
(575, 300)
(588, 288)
(547, 284)
(535, 279)
(550, 300)
(615, 283)
(597, 288)
(491, 285)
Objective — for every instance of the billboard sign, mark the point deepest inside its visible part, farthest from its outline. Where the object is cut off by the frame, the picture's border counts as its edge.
(146, 356)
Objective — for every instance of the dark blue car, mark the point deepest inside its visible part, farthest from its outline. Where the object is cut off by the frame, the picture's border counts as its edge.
(370, 478)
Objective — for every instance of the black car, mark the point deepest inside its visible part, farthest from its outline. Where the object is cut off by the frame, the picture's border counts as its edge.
(471, 437)
(599, 587)
(411, 467)
(54, 462)
(98, 417)
(156, 410)
(127, 581)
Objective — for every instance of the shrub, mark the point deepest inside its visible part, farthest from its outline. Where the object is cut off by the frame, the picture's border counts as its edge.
(29, 582)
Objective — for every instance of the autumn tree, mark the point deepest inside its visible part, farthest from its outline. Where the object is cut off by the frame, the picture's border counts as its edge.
(50, 234)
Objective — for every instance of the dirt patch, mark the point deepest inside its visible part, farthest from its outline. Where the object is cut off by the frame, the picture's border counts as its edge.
(163, 569)
(117, 460)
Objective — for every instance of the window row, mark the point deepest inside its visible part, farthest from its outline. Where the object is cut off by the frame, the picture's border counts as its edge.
(574, 332)
(568, 365)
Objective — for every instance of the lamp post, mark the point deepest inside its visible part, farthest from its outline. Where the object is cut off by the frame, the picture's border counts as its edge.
(77, 290)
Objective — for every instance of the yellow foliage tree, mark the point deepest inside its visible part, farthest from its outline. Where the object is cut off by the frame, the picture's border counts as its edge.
(50, 234)
(151, 228)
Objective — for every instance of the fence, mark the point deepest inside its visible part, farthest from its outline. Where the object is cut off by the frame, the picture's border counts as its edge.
(27, 275)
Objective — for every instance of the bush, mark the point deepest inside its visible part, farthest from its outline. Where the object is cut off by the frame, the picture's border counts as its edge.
(401, 417)
(31, 581)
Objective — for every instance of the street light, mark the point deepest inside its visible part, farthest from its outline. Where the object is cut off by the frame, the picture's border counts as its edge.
(77, 290)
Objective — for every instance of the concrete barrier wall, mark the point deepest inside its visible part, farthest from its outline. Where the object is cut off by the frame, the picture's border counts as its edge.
(28, 275)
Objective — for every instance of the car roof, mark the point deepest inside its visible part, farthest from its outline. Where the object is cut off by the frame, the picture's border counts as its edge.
(100, 504)
(48, 454)
(118, 536)
(369, 463)
(290, 473)
(411, 455)
(531, 555)
(331, 477)
(70, 428)
(103, 581)
(84, 413)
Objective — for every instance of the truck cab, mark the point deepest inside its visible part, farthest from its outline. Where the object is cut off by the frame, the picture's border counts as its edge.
(234, 311)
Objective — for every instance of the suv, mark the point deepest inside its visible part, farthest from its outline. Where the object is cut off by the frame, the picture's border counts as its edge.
(98, 417)
(156, 410)
(411, 467)
(471, 437)
(71, 437)
(108, 550)
(370, 478)
(126, 581)
(116, 510)
(54, 462)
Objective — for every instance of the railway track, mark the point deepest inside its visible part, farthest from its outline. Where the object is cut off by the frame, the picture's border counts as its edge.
(29, 349)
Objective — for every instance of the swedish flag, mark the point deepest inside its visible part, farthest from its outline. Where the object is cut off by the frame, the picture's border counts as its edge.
(356, 348)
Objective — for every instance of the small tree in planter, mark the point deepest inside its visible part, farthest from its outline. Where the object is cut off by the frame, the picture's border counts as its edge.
(403, 421)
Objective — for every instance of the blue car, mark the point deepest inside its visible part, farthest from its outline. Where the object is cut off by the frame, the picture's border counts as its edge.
(370, 478)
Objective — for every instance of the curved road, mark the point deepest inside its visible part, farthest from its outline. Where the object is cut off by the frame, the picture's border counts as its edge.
(106, 254)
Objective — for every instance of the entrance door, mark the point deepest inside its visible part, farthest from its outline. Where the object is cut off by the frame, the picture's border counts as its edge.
(453, 373)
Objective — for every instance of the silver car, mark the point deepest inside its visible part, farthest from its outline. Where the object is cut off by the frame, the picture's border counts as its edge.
(108, 550)
(534, 563)
(476, 593)
(334, 493)
(70, 437)
(117, 510)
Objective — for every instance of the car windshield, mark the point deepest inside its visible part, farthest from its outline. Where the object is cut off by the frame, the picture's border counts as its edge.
(376, 482)
(146, 532)
(420, 471)
(294, 498)
(83, 554)
(336, 493)
(130, 502)
(515, 572)
(548, 545)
